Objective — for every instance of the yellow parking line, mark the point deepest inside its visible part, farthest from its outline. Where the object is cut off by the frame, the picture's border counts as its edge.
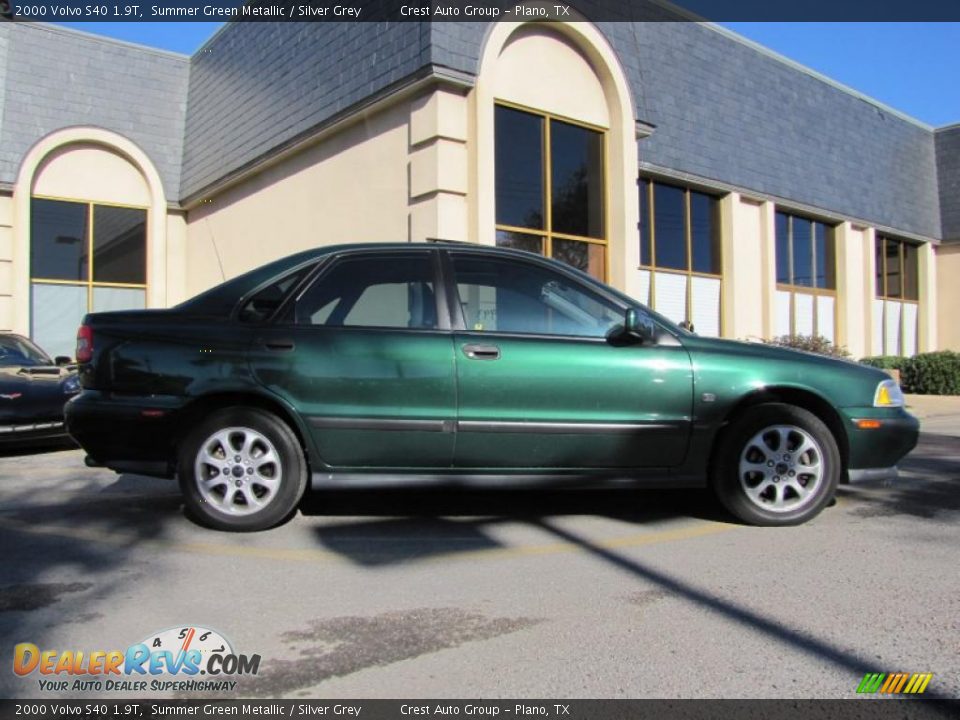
(95, 536)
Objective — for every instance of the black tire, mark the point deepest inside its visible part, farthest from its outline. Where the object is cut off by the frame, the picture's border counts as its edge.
(266, 464)
(790, 491)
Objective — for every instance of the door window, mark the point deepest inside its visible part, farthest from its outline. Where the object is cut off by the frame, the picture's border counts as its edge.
(499, 295)
(373, 291)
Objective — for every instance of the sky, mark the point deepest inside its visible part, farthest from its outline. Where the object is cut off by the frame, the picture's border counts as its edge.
(912, 67)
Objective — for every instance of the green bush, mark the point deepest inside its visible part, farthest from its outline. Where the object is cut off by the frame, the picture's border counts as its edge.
(810, 343)
(933, 373)
(885, 362)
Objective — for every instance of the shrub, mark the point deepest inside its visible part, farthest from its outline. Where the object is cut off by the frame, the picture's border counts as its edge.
(933, 373)
(810, 343)
(885, 362)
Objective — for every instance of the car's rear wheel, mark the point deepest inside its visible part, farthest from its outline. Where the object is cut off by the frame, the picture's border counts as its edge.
(777, 464)
(242, 469)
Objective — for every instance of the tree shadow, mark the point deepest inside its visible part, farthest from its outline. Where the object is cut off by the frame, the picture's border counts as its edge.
(66, 559)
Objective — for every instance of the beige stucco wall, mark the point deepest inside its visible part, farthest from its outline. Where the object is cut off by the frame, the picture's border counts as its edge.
(176, 252)
(6, 263)
(854, 288)
(948, 296)
(928, 319)
(351, 186)
(545, 71)
(89, 172)
(746, 232)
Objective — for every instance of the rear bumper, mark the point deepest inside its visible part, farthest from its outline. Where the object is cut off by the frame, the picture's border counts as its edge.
(125, 434)
(879, 448)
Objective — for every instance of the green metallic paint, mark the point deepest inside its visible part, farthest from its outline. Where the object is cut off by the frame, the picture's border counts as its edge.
(360, 374)
(570, 380)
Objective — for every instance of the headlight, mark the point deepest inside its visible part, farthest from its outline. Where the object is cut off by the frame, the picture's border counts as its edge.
(888, 394)
(71, 386)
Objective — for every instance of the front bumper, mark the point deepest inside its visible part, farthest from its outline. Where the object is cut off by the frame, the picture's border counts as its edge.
(879, 448)
(867, 474)
(126, 434)
(28, 433)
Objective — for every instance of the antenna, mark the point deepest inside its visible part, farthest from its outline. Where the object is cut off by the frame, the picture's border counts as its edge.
(213, 241)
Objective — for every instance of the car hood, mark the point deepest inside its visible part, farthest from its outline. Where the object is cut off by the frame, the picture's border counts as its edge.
(740, 366)
(34, 392)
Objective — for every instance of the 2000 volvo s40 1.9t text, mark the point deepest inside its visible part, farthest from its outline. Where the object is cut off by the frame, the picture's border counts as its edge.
(361, 364)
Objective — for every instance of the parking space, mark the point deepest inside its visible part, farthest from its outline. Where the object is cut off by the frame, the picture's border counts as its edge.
(497, 594)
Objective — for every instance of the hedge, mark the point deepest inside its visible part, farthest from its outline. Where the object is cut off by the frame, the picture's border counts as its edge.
(933, 373)
(810, 343)
(885, 362)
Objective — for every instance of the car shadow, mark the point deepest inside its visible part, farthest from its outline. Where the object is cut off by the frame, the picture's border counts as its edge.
(394, 526)
(37, 447)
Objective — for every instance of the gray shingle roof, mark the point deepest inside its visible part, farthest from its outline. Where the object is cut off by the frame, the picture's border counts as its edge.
(55, 78)
(723, 109)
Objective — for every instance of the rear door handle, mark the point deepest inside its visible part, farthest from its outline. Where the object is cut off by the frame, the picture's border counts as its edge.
(279, 345)
(482, 352)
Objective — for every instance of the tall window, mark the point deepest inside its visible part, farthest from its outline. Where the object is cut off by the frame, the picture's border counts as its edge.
(550, 188)
(84, 257)
(897, 269)
(898, 292)
(680, 252)
(806, 276)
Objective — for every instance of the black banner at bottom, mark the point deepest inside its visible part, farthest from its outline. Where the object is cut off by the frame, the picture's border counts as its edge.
(854, 709)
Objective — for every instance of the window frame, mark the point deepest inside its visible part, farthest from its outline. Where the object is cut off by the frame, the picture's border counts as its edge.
(90, 284)
(882, 293)
(687, 272)
(547, 234)
(575, 276)
(286, 313)
(813, 290)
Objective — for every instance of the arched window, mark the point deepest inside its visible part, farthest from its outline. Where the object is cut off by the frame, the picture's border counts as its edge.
(84, 257)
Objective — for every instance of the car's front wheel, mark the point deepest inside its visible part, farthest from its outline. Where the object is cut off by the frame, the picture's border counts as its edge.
(241, 469)
(777, 464)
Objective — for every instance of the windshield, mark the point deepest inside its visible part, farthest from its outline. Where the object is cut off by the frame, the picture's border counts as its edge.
(18, 351)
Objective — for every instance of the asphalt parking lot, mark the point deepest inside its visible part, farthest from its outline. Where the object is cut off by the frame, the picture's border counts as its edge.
(555, 594)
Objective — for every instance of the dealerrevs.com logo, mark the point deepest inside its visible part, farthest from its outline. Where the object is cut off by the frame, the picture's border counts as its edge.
(180, 659)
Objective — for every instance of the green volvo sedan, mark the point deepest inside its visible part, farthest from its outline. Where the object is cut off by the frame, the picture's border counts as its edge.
(460, 364)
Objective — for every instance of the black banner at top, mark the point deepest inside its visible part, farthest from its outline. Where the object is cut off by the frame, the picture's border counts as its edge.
(478, 10)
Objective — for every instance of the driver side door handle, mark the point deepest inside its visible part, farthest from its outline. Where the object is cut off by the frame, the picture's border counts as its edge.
(481, 352)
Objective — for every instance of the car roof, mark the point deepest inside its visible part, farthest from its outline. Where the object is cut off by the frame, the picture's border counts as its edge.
(222, 298)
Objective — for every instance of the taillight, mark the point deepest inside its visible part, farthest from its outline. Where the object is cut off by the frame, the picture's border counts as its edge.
(84, 344)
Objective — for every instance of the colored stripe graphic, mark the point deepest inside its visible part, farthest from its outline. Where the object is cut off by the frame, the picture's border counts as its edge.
(895, 683)
(871, 682)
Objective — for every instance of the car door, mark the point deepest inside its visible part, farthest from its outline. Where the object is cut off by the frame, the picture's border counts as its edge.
(540, 386)
(365, 355)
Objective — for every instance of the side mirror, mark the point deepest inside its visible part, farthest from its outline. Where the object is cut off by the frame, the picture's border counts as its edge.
(63, 360)
(637, 324)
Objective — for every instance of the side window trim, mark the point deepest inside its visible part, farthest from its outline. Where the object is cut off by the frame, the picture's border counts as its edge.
(456, 310)
(291, 294)
(286, 314)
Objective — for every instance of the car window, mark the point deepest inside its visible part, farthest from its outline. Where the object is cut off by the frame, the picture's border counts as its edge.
(262, 305)
(16, 351)
(501, 295)
(373, 291)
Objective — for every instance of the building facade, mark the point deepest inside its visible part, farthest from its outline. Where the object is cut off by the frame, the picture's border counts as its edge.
(711, 179)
